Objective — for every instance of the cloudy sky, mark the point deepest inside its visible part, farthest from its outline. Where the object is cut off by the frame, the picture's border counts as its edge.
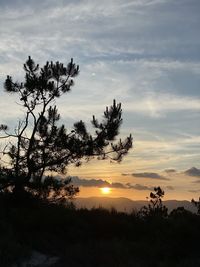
(143, 53)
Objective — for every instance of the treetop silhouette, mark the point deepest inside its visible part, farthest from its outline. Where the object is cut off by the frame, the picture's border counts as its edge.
(39, 146)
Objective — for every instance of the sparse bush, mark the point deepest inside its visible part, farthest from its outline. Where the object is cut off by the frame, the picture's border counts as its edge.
(155, 207)
(197, 205)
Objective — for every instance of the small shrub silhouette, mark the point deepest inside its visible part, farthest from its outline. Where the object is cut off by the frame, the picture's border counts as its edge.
(155, 207)
(197, 205)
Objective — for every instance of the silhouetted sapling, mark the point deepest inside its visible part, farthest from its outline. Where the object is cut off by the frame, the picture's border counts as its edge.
(38, 146)
(197, 205)
(155, 207)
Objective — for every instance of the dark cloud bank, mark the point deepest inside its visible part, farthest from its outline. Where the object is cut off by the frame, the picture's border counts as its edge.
(96, 183)
(193, 172)
(77, 181)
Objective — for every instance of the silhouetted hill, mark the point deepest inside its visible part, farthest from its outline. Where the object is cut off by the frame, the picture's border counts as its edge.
(127, 205)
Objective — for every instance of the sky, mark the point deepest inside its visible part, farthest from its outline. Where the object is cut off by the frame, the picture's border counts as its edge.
(143, 53)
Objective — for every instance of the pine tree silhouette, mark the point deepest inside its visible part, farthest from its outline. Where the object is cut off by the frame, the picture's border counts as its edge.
(40, 146)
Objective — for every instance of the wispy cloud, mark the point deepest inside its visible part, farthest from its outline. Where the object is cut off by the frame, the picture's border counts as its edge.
(140, 187)
(170, 171)
(150, 175)
(194, 190)
(158, 105)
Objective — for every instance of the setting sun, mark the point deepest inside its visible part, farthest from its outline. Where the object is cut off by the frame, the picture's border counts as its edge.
(105, 190)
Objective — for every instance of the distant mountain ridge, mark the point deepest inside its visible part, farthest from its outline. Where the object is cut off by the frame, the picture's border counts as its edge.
(126, 204)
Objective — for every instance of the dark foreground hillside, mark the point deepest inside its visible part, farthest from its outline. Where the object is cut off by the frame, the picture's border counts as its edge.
(97, 237)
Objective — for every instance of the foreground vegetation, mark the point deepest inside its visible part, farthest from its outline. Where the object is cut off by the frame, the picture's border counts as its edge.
(97, 237)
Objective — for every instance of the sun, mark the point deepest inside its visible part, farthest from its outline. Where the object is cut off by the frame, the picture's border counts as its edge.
(105, 190)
